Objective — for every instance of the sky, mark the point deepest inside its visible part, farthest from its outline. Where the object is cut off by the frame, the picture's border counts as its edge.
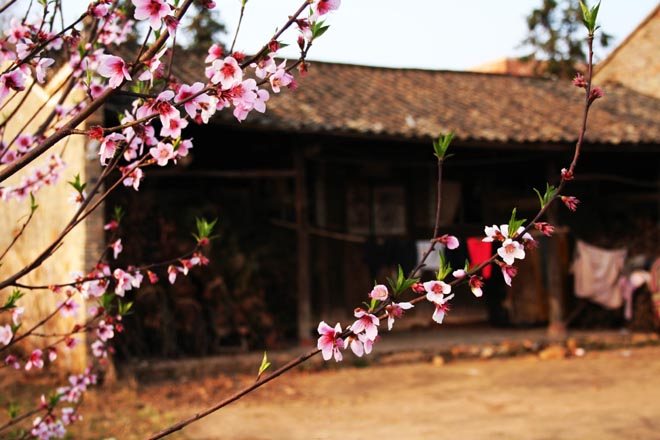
(429, 34)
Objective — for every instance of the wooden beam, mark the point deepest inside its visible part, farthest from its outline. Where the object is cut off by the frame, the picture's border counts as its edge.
(225, 174)
(320, 232)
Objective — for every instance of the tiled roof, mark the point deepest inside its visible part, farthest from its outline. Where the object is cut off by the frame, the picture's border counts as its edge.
(420, 104)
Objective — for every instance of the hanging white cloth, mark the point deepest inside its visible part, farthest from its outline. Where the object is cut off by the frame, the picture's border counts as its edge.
(433, 260)
(597, 273)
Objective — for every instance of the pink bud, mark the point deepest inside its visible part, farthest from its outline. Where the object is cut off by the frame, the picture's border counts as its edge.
(596, 93)
(570, 202)
(545, 228)
(579, 81)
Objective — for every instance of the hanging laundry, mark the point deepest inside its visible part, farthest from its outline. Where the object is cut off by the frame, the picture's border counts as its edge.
(654, 287)
(480, 251)
(432, 262)
(597, 272)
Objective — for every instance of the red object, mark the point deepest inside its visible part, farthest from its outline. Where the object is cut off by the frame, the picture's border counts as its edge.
(480, 251)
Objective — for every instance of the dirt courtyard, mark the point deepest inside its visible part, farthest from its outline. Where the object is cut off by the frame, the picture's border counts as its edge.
(603, 395)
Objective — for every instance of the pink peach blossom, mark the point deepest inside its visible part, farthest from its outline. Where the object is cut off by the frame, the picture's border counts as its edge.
(379, 292)
(113, 68)
(152, 10)
(366, 322)
(330, 341)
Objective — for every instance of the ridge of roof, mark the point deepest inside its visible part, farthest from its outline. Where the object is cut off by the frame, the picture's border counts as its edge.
(628, 38)
(427, 70)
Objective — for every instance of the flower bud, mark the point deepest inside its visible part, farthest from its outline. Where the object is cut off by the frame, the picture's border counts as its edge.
(596, 93)
(579, 81)
(570, 202)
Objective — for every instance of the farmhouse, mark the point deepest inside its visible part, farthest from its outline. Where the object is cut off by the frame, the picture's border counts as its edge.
(335, 185)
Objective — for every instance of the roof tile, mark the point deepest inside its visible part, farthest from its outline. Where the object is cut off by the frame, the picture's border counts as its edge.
(414, 103)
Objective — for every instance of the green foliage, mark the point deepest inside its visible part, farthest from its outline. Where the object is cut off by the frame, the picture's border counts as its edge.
(589, 17)
(53, 399)
(441, 146)
(33, 204)
(77, 184)
(444, 269)
(106, 300)
(124, 308)
(10, 303)
(401, 284)
(264, 365)
(515, 223)
(13, 410)
(204, 229)
(550, 192)
(318, 29)
(118, 214)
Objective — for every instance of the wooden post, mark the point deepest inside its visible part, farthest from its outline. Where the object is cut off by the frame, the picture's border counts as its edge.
(302, 238)
(556, 325)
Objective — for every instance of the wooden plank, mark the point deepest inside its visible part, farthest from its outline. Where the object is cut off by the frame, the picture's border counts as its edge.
(225, 174)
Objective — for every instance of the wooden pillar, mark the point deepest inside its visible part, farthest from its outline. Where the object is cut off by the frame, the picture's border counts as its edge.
(556, 325)
(302, 239)
(556, 282)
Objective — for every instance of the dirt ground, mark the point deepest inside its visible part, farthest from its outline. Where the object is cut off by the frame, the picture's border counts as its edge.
(602, 395)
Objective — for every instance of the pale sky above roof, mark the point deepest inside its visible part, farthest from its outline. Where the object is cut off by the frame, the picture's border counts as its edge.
(435, 34)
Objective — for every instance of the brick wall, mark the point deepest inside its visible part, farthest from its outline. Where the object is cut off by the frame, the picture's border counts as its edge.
(51, 216)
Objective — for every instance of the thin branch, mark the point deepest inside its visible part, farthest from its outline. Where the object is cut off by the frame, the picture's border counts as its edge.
(182, 424)
(18, 235)
(264, 49)
(238, 26)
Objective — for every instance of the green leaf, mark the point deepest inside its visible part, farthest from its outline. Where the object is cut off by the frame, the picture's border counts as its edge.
(585, 12)
(406, 285)
(77, 184)
(118, 214)
(12, 410)
(594, 15)
(33, 204)
(106, 300)
(391, 283)
(445, 267)
(514, 223)
(402, 283)
(589, 16)
(442, 144)
(319, 29)
(54, 399)
(15, 327)
(264, 365)
(550, 192)
(123, 308)
(10, 303)
(204, 229)
(541, 198)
